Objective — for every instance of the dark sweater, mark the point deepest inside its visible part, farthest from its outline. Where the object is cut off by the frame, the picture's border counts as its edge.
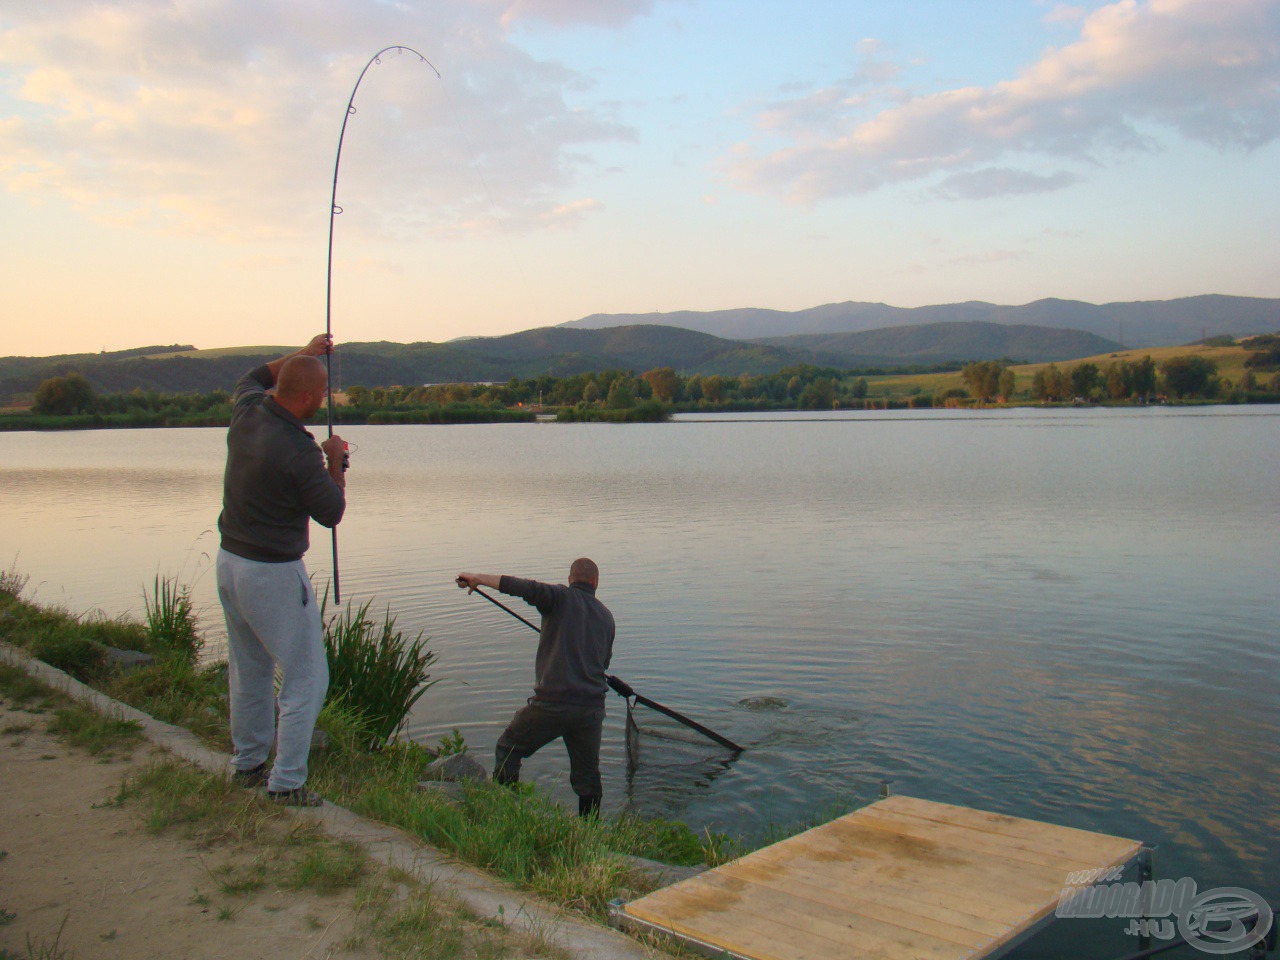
(276, 478)
(575, 643)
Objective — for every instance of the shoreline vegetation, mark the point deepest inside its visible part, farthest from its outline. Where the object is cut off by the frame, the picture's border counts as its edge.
(521, 835)
(1215, 372)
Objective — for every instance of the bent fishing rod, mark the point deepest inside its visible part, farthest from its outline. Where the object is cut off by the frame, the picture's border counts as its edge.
(624, 689)
(334, 210)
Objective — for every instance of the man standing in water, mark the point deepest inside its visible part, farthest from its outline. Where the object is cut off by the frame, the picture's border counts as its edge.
(575, 645)
(276, 481)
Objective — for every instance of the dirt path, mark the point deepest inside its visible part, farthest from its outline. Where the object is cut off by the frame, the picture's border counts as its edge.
(80, 871)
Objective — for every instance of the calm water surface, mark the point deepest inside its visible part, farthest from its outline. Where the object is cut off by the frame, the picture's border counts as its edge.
(1063, 615)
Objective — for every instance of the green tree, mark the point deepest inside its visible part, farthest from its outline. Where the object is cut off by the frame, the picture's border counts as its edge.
(693, 387)
(1008, 382)
(621, 395)
(713, 388)
(591, 392)
(1187, 376)
(819, 395)
(61, 396)
(982, 379)
(1144, 378)
(1084, 377)
(1118, 380)
(1049, 383)
(859, 389)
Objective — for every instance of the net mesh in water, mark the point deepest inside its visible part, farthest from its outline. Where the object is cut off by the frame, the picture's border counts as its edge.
(667, 762)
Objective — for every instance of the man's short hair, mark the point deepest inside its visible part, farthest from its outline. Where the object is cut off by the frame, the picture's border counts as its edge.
(584, 571)
(301, 375)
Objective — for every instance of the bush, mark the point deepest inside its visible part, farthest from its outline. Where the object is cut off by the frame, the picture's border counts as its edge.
(374, 670)
(61, 396)
(647, 411)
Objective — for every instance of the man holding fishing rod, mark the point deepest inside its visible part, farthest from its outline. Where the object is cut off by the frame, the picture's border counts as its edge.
(277, 480)
(575, 644)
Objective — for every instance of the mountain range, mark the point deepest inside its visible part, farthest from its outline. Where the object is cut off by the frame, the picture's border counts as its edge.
(828, 336)
(1147, 323)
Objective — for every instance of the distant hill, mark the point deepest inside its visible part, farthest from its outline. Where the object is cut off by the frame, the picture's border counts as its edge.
(1136, 324)
(548, 351)
(933, 343)
(561, 351)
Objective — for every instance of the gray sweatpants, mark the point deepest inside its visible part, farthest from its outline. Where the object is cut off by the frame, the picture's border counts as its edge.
(273, 621)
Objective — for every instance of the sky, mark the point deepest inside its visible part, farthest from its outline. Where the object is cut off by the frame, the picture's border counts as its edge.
(166, 166)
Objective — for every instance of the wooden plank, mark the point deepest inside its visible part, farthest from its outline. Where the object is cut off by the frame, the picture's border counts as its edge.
(734, 916)
(886, 882)
(946, 844)
(886, 907)
(1057, 851)
(867, 854)
(900, 878)
(1085, 842)
(882, 882)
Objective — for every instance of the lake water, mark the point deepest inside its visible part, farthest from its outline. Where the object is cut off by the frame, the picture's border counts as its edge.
(1069, 615)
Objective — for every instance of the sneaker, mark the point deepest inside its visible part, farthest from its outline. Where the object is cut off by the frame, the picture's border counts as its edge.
(297, 797)
(252, 778)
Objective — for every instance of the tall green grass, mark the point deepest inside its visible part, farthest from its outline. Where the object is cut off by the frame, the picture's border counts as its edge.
(171, 621)
(374, 669)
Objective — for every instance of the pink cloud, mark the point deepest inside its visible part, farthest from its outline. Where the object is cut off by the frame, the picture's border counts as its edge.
(1207, 69)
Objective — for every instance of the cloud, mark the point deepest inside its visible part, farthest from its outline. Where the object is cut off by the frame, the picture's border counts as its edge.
(223, 119)
(603, 13)
(570, 214)
(1002, 182)
(1207, 69)
(1065, 13)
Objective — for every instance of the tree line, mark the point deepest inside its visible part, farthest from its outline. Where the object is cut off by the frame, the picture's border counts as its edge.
(804, 386)
(624, 395)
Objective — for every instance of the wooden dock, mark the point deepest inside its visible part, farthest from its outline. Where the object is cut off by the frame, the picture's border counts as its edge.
(901, 878)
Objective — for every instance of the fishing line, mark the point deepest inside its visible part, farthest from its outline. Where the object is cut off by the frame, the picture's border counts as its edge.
(334, 210)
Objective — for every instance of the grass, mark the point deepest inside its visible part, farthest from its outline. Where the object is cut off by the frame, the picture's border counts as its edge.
(12, 582)
(94, 732)
(43, 950)
(520, 835)
(374, 670)
(180, 692)
(26, 691)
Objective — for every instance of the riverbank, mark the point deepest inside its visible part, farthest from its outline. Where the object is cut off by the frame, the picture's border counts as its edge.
(520, 837)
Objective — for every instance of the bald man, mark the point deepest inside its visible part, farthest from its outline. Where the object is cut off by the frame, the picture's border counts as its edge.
(277, 480)
(575, 645)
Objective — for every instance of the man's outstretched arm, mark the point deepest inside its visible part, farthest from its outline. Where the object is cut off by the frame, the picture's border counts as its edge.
(473, 580)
